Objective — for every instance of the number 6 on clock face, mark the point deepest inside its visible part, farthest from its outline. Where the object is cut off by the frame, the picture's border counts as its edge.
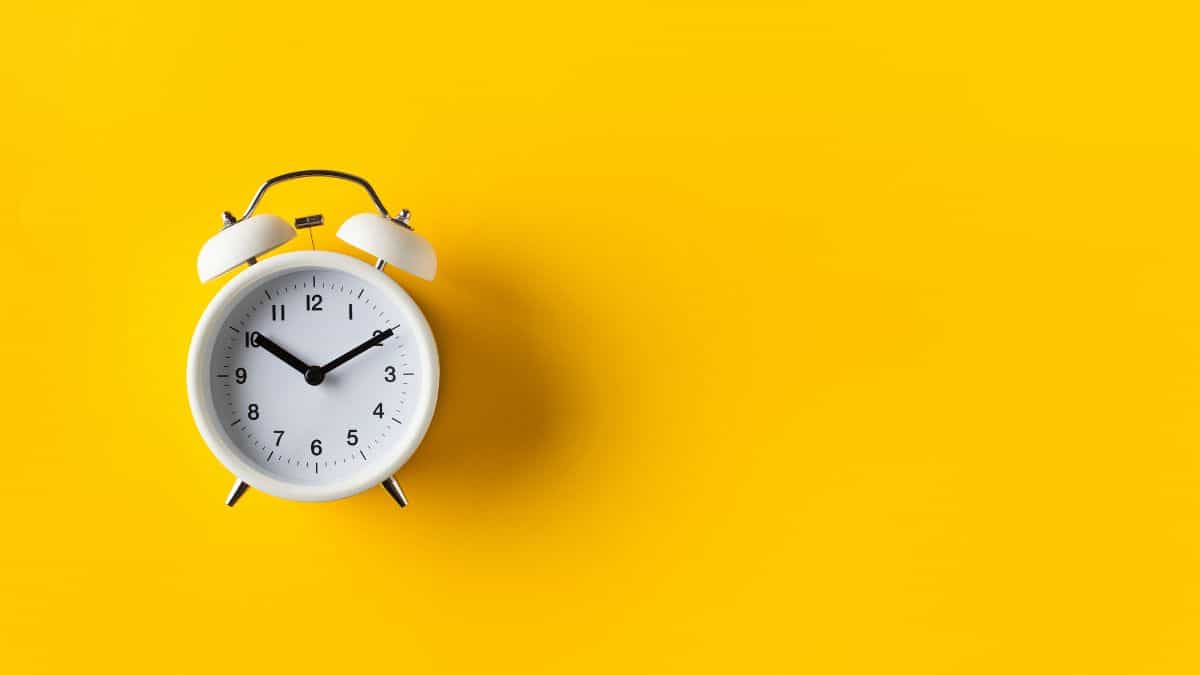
(313, 376)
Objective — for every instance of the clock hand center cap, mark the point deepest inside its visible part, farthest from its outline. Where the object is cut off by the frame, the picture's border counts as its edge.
(314, 375)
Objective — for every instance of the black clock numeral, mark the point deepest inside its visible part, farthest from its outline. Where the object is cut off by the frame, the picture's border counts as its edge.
(350, 310)
(252, 411)
(378, 411)
(240, 375)
(389, 374)
(278, 312)
(278, 436)
(315, 446)
(377, 332)
(312, 303)
(352, 437)
(251, 339)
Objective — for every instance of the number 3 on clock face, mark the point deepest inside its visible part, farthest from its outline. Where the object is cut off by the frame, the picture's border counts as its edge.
(313, 376)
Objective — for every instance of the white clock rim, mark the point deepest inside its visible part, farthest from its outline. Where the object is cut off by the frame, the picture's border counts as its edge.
(200, 389)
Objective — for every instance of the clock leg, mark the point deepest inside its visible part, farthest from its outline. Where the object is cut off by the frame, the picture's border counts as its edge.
(239, 489)
(393, 489)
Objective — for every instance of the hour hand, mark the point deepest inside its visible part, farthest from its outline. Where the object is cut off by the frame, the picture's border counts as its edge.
(281, 353)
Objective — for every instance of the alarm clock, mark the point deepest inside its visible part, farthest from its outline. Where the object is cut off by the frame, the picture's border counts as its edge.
(312, 375)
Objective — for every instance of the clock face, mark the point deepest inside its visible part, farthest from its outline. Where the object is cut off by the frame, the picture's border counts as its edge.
(318, 376)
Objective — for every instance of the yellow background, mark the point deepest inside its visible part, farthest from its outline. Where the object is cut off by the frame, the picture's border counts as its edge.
(830, 337)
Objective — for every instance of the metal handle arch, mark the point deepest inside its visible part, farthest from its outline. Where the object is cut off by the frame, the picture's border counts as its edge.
(401, 218)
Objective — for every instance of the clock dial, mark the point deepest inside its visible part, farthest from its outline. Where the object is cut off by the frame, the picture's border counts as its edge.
(314, 375)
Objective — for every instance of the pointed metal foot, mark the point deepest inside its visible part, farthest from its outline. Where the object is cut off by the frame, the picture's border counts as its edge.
(393, 489)
(239, 489)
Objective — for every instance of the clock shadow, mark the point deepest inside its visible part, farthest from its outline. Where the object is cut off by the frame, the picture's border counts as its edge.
(493, 435)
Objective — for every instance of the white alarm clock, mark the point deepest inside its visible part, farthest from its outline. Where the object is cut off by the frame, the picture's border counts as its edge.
(313, 375)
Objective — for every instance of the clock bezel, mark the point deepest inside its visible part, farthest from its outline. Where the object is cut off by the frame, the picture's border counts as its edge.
(200, 356)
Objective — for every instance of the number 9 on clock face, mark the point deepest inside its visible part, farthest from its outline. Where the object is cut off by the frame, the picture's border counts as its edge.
(313, 376)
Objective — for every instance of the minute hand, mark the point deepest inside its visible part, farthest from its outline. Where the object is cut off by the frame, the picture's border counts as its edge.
(375, 339)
